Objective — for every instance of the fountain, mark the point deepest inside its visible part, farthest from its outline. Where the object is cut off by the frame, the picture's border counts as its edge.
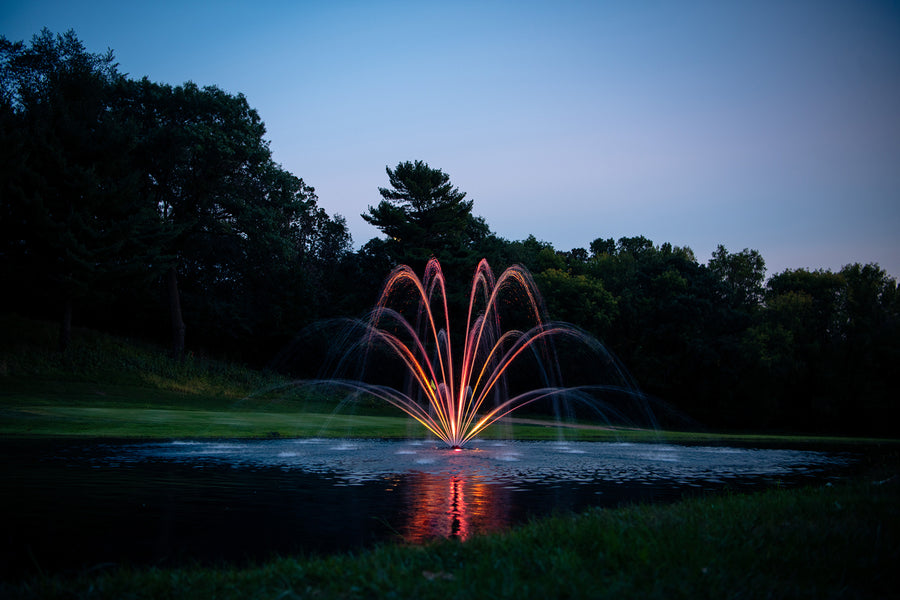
(455, 396)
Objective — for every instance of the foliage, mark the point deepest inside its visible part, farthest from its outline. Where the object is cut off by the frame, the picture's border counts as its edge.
(741, 275)
(121, 191)
(825, 344)
(808, 351)
(424, 215)
(577, 299)
(71, 221)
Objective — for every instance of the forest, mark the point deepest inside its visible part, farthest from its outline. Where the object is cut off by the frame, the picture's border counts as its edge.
(157, 211)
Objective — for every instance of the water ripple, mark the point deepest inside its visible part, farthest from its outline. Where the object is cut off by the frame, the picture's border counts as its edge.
(508, 462)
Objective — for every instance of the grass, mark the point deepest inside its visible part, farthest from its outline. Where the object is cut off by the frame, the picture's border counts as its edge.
(28, 354)
(105, 386)
(840, 541)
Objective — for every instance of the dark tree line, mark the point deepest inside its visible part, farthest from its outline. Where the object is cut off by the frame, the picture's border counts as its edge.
(138, 207)
(805, 350)
(121, 197)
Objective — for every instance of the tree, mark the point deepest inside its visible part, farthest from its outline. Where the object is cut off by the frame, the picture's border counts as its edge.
(828, 343)
(112, 187)
(791, 348)
(667, 324)
(247, 240)
(742, 275)
(603, 246)
(577, 299)
(635, 246)
(423, 215)
(807, 303)
(871, 348)
(203, 159)
(71, 207)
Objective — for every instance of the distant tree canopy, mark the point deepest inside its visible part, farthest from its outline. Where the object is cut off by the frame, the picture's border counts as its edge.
(130, 204)
(741, 274)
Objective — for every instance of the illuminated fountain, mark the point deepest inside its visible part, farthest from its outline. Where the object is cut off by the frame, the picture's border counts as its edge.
(456, 395)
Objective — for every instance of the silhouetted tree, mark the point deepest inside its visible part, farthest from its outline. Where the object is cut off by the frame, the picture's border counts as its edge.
(423, 215)
(742, 275)
(112, 185)
(667, 319)
(603, 246)
(73, 223)
(871, 351)
(248, 242)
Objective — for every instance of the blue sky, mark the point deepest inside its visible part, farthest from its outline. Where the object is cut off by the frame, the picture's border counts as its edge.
(765, 125)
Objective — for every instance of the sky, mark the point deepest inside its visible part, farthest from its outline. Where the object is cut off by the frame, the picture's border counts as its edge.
(769, 125)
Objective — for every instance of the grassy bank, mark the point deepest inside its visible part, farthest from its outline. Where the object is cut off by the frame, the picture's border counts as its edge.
(105, 386)
(839, 541)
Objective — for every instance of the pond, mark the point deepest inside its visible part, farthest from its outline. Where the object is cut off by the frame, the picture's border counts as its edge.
(75, 505)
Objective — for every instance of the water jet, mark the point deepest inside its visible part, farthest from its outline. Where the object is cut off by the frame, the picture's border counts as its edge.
(456, 394)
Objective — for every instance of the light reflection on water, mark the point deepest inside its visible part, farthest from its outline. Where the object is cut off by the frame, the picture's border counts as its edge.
(453, 506)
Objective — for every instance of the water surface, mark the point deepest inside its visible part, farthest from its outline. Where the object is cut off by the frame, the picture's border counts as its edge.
(80, 505)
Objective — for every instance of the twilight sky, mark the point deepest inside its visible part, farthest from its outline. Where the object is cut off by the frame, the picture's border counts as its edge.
(765, 125)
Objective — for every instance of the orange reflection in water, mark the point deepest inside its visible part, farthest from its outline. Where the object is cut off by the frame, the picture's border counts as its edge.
(453, 506)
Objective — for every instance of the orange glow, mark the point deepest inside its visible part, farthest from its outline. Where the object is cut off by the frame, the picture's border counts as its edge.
(452, 506)
(454, 403)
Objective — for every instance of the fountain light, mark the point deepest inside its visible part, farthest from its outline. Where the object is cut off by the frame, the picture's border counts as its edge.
(455, 396)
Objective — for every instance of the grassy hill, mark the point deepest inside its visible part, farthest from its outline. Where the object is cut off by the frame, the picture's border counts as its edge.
(109, 386)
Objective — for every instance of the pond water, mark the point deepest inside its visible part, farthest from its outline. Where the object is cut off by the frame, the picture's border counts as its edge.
(74, 505)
